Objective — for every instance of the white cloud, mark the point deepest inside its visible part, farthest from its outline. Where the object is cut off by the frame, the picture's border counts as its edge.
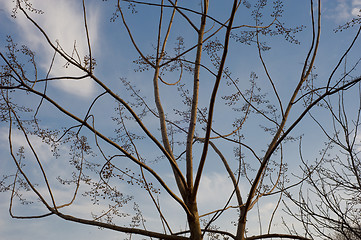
(358, 141)
(356, 2)
(343, 10)
(63, 22)
(355, 12)
(52, 227)
(214, 191)
(356, 8)
(43, 150)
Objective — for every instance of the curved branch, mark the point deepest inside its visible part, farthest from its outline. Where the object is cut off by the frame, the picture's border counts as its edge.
(275, 235)
(212, 101)
(121, 229)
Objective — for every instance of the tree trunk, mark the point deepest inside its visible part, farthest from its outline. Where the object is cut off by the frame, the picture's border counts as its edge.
(193, 221)
(241, 228)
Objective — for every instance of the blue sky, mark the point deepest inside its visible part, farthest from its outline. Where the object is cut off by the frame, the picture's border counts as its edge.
(63, 21)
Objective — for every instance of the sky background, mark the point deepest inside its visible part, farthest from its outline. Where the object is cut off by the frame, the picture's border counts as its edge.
(63, 21)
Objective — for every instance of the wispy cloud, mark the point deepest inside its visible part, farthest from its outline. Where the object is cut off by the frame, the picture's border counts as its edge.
(342, 11)
(18, 140)
(214, 191)
(356, 3)
(356, 8)
(63, 22)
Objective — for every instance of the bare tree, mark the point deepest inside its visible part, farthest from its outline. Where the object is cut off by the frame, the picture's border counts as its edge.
(330, 187)
(190, 135)
(329, 200)
(353, 235)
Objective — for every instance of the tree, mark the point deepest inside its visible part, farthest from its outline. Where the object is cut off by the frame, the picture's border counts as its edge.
(348, 235)
(191, 135)
(334, 179)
